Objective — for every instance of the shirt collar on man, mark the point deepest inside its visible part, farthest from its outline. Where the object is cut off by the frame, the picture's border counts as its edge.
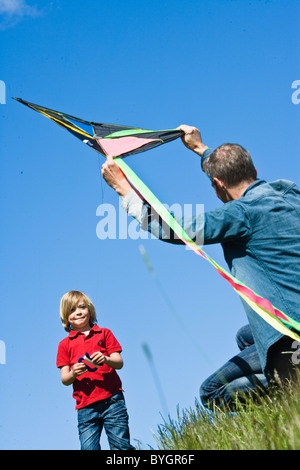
(253, 185)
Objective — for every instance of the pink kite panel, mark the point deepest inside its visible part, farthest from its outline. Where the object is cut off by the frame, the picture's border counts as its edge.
(122, 145)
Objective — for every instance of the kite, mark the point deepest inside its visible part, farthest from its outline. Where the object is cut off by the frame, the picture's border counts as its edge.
(108, 138)
(122, 141)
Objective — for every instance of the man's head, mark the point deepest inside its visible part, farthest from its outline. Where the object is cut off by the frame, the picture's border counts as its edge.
(230, 169)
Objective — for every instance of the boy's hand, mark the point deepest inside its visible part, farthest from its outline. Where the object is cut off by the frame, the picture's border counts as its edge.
(98, 358)
(79, 369)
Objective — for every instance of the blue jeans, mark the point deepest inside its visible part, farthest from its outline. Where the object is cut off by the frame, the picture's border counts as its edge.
(110, 414)
(241, 375)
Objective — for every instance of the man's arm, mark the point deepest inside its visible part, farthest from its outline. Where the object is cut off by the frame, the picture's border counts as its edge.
(192, 139)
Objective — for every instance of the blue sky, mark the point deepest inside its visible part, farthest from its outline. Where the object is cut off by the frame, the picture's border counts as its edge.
(225, 66)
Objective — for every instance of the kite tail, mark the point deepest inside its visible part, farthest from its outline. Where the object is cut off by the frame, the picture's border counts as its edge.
(276, 318)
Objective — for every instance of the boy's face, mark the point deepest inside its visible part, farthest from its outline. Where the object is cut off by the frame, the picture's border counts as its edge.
(79, 317)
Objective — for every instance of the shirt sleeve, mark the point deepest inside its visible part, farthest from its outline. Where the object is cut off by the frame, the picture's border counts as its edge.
(111, 343)
(62, 358)
(133, 205)
(205, 155)
(225, 224)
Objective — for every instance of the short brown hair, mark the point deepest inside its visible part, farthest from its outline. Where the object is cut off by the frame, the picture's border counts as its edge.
(70, 300)
(230, 163)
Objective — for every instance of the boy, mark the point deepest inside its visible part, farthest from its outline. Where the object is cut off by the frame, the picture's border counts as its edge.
(98, 389)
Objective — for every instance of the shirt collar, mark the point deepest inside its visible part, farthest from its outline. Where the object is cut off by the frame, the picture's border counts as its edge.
(258, 182)
(94, 329)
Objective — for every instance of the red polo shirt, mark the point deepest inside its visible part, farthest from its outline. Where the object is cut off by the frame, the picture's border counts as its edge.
(90, 386)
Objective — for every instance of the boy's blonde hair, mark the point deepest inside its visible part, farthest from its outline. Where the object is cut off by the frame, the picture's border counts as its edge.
(69, 301)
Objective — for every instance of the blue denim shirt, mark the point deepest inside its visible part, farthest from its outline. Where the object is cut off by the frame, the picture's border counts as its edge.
(260, 236)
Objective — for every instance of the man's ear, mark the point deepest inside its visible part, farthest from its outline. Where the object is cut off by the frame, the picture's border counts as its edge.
(219, 184)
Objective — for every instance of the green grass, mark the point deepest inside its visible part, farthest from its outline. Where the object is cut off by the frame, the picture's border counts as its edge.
(270, 423)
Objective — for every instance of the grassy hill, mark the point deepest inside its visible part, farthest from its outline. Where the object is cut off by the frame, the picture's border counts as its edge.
(270, 423)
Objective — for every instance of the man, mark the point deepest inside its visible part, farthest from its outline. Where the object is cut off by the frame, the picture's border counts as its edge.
(259, 230)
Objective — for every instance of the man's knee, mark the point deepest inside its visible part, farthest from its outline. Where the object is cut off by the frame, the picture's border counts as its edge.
(207, 393)
(244, 337)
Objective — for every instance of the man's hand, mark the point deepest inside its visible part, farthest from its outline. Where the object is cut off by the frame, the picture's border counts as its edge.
(115, 177)
(192, 139)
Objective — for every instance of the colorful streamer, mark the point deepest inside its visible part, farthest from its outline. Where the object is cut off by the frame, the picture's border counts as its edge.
(260, 305)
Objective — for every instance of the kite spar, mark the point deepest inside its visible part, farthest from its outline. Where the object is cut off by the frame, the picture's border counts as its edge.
(122, 141)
